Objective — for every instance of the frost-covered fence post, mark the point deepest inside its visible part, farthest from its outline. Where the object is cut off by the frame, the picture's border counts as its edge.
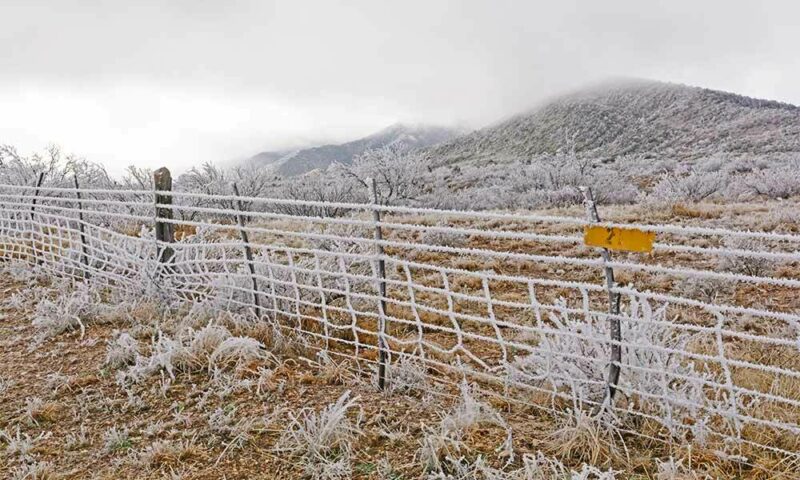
(613, 308)
(84, 253)
(165, 230)
(381, 272)
(39, 182)
(248, 252)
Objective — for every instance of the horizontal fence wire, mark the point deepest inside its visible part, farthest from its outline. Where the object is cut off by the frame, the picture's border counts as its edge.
(513, 302)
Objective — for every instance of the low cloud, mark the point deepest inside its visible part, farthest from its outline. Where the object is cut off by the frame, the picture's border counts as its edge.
(183, 82)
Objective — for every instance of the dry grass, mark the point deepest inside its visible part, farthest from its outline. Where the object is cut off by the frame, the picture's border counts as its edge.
(249, 377)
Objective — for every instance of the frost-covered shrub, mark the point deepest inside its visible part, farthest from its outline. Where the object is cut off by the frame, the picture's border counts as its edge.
(774, 182)
(203, 343)
(26, 298)
(445, 239)
(712, 164)
(69, 311)
(121, 351)
(332, 371)
(672, 469)
(166, 355)
(407, 375)
(572, 355)
(164, 451)
(56, 381)
(21, 445)
(116, 439)
(285, 274)
(35, 409)
(446, 442)
(59, 169)
(781, 220)
(76, 440)
(611, 188)
(561, 197)
(534, 467)
(745, 264)
(211, 348)
(34, 471)
(322, 442)
(693, 187)
(489, 197)
(223, 424)
(540, 182)
(24, 272)
(704, 289)
(234, 352)
(469, 412)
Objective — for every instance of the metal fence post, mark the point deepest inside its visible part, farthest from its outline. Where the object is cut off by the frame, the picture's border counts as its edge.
(165, 230)
(39, 182)
(613, 308)
(85, 255)
(381, 271)
(248, 252)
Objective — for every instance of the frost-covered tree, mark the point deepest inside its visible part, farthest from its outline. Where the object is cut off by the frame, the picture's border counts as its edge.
(138, 178)
(211, 179)
(400, 175)
(319, 187)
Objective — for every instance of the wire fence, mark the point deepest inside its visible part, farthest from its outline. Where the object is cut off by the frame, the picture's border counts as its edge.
(706, 327)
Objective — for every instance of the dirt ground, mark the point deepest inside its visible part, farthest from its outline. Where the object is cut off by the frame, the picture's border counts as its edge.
(65, 414)
(60, 388)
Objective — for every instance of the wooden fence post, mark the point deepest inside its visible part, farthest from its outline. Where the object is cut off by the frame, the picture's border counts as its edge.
(382, 350)
(165, 231)
(85, 255)
(39, 182)
(248, 252)
(613, 308)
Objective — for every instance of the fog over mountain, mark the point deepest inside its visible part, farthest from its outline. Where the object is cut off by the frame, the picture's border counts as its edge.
(179, 84)
(291, 163)
(631, 140)
(605, 121)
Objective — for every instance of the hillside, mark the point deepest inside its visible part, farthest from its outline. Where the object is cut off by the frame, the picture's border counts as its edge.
(635, 117)
(289, 163)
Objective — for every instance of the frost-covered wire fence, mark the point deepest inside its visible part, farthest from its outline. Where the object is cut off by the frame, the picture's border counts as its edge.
(710, 320)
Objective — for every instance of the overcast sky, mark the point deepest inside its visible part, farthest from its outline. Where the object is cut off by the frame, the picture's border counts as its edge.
(180, 82)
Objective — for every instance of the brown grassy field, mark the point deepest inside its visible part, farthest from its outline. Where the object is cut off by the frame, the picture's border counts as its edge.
(65, 411)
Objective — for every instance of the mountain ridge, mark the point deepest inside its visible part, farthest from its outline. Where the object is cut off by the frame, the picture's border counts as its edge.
(606, 120)
(289, 163)
(634, 117)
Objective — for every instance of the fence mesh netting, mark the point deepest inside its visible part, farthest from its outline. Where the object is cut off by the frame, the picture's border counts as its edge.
(515, 303)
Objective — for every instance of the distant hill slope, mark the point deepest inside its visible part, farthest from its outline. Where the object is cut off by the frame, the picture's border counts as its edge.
(291, 163)
(635, 117)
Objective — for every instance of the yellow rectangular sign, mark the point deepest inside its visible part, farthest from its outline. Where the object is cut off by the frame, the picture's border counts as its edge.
(624, 239)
